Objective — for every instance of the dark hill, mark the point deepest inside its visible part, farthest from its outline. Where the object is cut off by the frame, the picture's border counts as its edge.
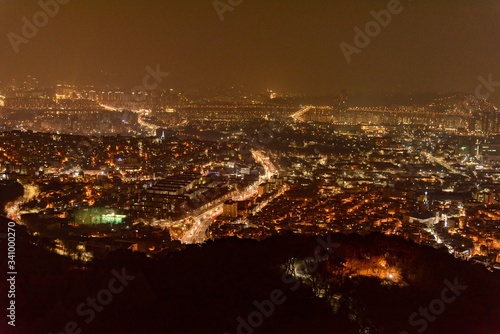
(205, 289)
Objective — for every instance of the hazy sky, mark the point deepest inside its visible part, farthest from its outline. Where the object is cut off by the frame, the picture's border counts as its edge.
(286, 45)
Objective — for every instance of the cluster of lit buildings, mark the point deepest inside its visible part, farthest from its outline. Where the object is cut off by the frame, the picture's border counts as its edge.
(429, 174)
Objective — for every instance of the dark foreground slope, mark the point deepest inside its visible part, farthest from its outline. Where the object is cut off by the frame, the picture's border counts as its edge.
(206, 289)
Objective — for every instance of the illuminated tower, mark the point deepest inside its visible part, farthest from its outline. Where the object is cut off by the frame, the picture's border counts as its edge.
(342, 106)
(343, 101)
(230, 209)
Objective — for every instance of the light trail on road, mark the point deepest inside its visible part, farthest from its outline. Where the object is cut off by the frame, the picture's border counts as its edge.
(196, 234)
(297, 116)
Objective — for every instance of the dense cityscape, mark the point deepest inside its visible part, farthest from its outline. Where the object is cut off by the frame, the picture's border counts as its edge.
(102, 173)
(252, 178)
(175, 170)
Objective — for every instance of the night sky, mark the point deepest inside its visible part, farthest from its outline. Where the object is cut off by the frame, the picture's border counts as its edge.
(285, 45)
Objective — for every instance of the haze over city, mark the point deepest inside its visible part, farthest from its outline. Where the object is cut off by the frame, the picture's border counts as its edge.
(289, 46)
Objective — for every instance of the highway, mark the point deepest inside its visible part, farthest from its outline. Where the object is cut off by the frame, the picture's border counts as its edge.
(201, 222)
(441, 162)
(150, 127)
(142, 113)
(298, 115)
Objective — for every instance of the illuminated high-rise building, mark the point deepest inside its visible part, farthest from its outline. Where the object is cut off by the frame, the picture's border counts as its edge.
(230, 209)
(343, 100)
